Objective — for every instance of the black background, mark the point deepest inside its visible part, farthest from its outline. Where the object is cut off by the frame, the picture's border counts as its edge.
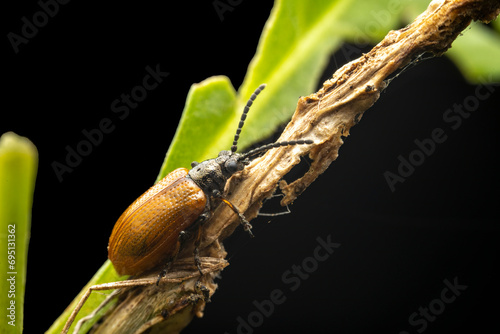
(397, 247)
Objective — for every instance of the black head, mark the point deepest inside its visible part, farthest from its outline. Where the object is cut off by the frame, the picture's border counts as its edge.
(211, 175)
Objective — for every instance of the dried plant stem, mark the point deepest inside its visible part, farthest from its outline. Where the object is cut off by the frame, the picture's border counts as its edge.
(324, 117)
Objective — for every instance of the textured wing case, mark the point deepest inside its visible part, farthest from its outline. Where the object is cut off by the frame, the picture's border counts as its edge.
(146, 234)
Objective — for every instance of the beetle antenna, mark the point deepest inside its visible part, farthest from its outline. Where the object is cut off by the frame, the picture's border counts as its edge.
(244, 116)
(273, 145)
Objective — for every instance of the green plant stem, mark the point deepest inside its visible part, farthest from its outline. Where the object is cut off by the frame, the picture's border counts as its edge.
(18, 165)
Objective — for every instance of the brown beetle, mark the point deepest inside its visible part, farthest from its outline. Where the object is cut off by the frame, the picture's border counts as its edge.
(150, 232)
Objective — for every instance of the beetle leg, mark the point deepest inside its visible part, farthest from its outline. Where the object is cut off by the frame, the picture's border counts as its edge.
(182, 237)
(92, 314)
(164, 272)
(204, 291)
(276, 213)
(246, 225)
(196, 252)
(197, 241)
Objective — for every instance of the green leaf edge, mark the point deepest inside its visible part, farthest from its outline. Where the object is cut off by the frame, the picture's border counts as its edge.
(18, 169)
(208, 108)
(477, 54)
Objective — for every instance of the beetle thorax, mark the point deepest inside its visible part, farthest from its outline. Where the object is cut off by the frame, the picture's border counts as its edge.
(211, 175)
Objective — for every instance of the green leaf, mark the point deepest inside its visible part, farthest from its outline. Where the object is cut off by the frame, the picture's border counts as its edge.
(477, 54)
(210, 106)
(496, 24)
(18, 165)
(293, 50)
(370, 20)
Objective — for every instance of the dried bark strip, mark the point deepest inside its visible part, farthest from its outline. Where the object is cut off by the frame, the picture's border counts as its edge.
(325, 117)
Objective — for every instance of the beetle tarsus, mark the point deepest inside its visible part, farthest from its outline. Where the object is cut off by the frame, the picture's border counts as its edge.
(196, 253)
(246, 225)
(197, 260)
(162, 274)
(204, 291)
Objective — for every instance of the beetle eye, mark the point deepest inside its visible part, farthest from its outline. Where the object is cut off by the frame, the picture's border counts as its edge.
(232, 166)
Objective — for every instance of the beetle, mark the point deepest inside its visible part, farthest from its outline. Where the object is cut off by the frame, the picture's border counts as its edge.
(151, 230)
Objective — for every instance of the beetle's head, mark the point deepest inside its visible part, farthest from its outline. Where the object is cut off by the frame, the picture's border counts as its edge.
(213, 174)
(231, 163)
